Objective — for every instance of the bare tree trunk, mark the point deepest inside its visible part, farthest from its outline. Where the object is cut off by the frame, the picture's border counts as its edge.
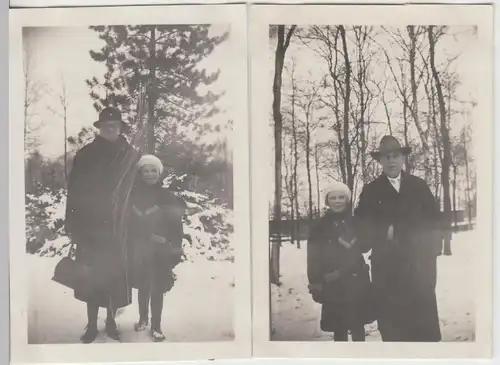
(438, 154)
(467, 180)
(281, 48)
(308, 167)
(289, 190)
(405, 132)
(294, 237)
(295, 167)
(347, 145)
(64, 103)
(338, 122)
(386, 108)
(360, 38)
(455, 213)
(316, 163)
(414, 93)
(445, 174)
(152, 93)
(437, 179)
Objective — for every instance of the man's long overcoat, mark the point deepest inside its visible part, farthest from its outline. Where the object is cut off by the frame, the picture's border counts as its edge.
(404, 269)
(99, 184)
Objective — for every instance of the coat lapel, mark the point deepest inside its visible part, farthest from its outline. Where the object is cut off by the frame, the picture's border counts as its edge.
(404, 183)
(386, 186)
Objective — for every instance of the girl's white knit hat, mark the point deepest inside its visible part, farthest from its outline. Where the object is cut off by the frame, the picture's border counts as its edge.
(150, 160)
(337, 187)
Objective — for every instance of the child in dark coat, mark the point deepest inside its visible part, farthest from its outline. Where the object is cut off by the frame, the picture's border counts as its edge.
(155, 242)
(338, 275)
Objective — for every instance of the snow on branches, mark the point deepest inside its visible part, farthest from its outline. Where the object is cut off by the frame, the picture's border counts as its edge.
(208, 225)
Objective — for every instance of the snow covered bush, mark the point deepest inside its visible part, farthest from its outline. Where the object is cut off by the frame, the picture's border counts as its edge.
(208, 225)
(44, 217)
(208, 228)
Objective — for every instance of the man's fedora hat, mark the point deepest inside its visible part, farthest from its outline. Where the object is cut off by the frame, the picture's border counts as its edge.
(109, 114)
(387, 145)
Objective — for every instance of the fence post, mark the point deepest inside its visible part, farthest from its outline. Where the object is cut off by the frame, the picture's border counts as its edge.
(274, 273)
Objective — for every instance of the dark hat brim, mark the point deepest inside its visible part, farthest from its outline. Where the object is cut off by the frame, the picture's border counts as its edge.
(98, 123)
(404, 150)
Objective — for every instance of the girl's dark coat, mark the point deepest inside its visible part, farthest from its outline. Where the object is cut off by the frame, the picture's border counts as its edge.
(154, 210)
(99, 183)
(404, 270)
(345, 302)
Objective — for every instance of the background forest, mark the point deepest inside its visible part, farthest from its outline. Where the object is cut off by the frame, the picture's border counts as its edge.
(338, 89)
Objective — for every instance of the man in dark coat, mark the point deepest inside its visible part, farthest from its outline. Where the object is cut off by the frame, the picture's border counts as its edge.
(99, 184)
(397, 216)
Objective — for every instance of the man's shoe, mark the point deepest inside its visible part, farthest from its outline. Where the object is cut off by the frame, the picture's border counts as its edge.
(90, 334)
(112, 330)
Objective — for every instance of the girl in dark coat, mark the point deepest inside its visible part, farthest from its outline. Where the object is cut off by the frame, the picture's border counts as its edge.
(155, 235)
(338, 275)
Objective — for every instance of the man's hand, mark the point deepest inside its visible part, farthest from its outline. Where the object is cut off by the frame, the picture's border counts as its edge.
(331, 276)
(316, 291)
(158, 239)
(390, 233)
(347, 244)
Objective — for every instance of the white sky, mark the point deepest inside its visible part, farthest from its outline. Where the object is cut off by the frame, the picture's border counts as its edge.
(58, 53)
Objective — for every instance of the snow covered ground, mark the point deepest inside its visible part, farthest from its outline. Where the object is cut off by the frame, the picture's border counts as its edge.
(199, 307)
(295, 316)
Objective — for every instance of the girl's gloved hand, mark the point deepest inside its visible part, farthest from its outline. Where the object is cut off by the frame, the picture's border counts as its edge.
(158, 239)
(331, 276)
(316, 291)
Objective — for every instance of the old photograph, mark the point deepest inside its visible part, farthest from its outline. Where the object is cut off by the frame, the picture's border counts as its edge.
(129, 189)
(374, 179)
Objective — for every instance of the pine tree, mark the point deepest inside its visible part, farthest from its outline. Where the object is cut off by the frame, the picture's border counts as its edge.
(152, 69)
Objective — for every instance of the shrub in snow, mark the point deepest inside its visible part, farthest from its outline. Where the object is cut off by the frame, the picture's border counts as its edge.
(208, 225)
(44, 213)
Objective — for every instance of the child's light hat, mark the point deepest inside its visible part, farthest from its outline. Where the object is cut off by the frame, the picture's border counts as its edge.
(150, 160)
(337, 187)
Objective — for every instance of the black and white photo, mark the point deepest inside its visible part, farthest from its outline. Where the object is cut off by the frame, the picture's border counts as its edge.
(376, 150)
(204, 182)
(133, 227)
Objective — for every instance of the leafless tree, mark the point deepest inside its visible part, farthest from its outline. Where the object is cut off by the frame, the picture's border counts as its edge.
(364, 95)
(292, 129)
(34, 91)
(308, 103)
(434, 33)
(62, 112)
(283, 42)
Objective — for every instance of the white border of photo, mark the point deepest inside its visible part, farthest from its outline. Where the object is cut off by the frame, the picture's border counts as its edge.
(240, 347)
(261, 67)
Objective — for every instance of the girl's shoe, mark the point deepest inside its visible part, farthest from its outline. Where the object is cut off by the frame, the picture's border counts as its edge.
(157, 335)
(141, 325)
(90, 334)
(112, 330)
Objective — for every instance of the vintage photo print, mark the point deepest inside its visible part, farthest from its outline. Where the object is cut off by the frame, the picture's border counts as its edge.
(372, 183)
(129, 199)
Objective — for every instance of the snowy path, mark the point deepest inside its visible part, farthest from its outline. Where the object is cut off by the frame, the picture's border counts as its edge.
(296, 316)
(199, 307)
